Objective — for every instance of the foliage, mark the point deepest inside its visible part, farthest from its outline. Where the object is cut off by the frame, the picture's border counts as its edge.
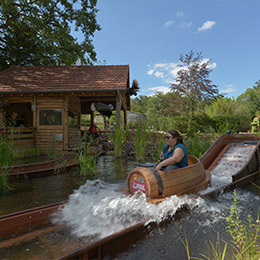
(119, 136)
(141, 140)
(228, 111)
(245, 238)
(245, 235)
(28, 152)
(52, 149)
(157, 148)
(217, 253)
(193, 81)
(139, 104)
(197, 145)
(6, 160)
(39, 32)
(86, 159)
(251, 99)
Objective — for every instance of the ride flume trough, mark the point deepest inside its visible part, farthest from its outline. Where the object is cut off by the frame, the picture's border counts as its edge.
(16, 228)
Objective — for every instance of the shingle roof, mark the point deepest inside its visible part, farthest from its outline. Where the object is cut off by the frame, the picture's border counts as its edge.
(64, 78)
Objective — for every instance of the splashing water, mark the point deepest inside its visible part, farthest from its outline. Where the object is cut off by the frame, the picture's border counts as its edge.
(99, 209)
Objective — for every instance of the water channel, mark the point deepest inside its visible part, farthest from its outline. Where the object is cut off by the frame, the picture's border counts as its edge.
(98, 208)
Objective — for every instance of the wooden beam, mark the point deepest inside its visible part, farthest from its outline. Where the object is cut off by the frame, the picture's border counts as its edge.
(66, 123)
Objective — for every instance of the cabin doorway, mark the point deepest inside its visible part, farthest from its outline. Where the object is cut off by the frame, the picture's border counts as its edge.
(18, 115)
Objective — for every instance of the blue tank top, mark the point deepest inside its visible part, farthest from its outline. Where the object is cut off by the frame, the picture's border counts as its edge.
(167, 154)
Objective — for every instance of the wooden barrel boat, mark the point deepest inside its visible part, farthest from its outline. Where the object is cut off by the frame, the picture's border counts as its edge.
(157, 185)
(20, 227)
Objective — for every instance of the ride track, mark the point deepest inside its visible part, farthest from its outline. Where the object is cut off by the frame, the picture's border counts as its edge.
(28, 225)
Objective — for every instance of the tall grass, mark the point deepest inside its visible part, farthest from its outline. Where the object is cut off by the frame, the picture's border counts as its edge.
(6, 160)
(119, 137)
(245, 243)
(157, 149)
(86, 159)
(245, 235)
(141, 140)
(197, 146)
(52, 149)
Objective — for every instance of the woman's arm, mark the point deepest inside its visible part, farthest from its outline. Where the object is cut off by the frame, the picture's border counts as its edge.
(175, 158)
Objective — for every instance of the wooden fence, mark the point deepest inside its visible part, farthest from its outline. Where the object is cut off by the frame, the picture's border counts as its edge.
(23, 137)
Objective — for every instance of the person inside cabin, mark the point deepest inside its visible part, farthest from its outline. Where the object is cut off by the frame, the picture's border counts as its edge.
(174, 154)
(21, 121)
(94, 131)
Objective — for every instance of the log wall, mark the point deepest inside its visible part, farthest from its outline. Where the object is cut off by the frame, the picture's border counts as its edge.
(49, 136)
(74, 133)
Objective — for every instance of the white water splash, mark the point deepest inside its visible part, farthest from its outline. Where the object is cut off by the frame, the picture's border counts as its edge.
(99, 209)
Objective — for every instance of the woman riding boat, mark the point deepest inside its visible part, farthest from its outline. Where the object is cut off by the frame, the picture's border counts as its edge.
(174, 154)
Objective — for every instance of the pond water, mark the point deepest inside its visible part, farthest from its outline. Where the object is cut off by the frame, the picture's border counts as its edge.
(97, 208)
(56, 188)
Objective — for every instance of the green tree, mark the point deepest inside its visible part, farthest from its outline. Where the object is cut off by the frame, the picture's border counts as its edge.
(38, 32)
(251, 99)
(193, 83)
(139, 104)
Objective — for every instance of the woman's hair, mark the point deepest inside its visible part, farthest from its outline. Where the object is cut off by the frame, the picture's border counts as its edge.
(174, 133)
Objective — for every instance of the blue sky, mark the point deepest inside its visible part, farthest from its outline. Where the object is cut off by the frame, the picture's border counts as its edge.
(150, 36)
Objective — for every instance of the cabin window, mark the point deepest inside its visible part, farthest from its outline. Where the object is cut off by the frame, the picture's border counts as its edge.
(73, 119)
(50, 117)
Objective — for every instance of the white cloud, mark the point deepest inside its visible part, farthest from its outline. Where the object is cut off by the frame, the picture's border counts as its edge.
(150, 72)
(163, 89)
(164, 71)
(159, 74)
(180, 14)
(206, 26)
(228, 89)
(168, 24)
(167, 72)
(211, 66)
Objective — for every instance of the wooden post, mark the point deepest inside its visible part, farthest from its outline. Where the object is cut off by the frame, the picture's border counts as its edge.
(35, 118)
(118, 108)
(92, 118)
(66, 123)
(2, 117)
(125, 118)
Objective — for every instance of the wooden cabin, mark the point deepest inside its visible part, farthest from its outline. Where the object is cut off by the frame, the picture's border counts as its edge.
(45, 102)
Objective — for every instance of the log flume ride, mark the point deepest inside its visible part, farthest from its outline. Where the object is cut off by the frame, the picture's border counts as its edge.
(20, 227)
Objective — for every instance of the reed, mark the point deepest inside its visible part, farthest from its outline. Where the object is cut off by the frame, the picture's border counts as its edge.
(119, 137)
(245, 235)
(157, 149)
(196, 145)
(245, 238)
(28, 152)
(86, 159)
(6, 160)
(141, 141)
(52, 149)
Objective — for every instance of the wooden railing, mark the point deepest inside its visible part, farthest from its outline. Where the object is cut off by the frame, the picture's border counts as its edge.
(23, 137)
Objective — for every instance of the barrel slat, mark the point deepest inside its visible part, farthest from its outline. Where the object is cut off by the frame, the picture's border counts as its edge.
(174, 182)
